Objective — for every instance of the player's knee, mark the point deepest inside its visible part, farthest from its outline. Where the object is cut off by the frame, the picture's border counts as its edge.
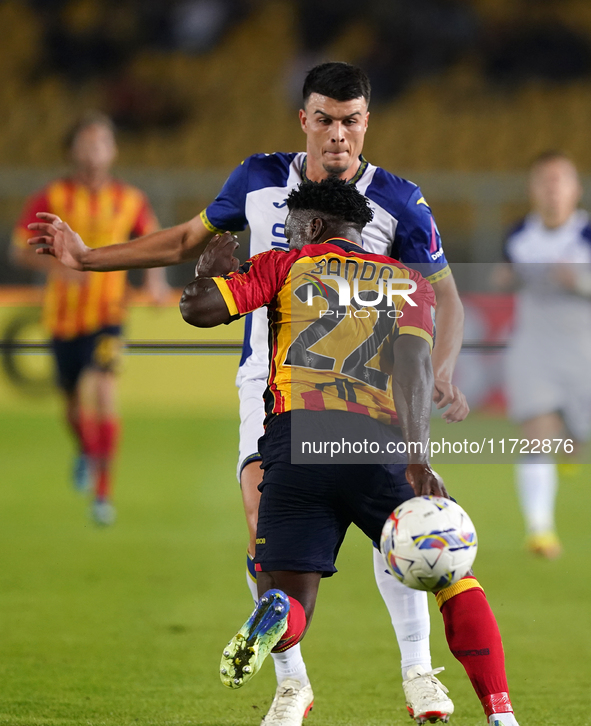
(250, 478)
(251, 475)
(105, 383)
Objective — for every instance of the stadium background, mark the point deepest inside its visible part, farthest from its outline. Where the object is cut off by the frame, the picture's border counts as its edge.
(125, 625)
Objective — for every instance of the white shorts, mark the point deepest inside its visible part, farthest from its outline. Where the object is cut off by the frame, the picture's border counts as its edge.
(252, 415)
(548, 380)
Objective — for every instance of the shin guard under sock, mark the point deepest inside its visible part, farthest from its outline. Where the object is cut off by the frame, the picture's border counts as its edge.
(107, 437)
(473, 637)
(409, 613)
(89, 436)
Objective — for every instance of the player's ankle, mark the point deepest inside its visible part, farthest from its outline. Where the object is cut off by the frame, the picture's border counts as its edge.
(496, 703)
(425, 664)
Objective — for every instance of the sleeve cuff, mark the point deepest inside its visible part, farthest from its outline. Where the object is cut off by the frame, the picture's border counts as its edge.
(439, 275)
(419, 332)
(223, 287)
(208, 225)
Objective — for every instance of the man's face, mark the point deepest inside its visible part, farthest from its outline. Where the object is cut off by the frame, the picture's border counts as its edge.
(335, 131)
(299, 229)
(94, 148)
(555, 188)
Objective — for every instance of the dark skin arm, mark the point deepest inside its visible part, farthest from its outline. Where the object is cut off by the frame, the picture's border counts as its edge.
(412, 386)
(202, 304)
(449, 321)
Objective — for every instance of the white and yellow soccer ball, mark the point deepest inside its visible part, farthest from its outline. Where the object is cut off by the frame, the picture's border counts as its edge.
(429, 543)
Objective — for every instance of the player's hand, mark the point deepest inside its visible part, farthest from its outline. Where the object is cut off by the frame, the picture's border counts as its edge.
(446, 394)
(218, 257)
(425, 481)
(59, 239)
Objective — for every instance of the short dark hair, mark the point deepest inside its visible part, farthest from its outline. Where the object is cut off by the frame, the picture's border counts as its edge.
(89, 118)
(550, 155)
(340, 81)
(332, 197)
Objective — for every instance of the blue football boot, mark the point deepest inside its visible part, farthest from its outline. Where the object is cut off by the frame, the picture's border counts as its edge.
(245, 653)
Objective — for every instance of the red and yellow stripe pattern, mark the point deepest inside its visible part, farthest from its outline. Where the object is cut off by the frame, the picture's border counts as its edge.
(326, 355)
(81, 303)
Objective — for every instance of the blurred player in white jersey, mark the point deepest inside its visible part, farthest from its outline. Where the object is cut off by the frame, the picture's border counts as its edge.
(334, 118)
(549, 359)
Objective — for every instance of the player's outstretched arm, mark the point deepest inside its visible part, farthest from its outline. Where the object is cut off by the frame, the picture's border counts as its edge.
(159, 249)
(449, 324)
(202, 303)
(412, 386)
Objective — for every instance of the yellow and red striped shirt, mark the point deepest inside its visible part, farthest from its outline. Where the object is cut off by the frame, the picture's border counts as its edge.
(82, 304)
(327, 353)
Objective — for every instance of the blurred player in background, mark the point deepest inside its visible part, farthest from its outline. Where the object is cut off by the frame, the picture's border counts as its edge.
(549, 359)
(84, 311)
(334, 118)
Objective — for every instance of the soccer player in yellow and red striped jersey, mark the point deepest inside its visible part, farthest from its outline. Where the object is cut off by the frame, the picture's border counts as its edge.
(84, 311)
(350, 342)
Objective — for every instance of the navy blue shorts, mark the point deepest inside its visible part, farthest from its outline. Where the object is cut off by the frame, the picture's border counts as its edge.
(305, 510)
(100, 351)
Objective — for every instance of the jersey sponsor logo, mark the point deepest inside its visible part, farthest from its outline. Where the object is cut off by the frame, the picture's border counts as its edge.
(437, 255)
(434, 241)
(423, 201)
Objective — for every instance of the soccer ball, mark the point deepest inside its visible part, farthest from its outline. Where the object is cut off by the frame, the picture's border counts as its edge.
(429, 543)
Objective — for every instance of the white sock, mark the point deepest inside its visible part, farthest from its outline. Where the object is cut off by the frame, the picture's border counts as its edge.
(289, 664)
(409, 612)
(251, 576)
(537, 483)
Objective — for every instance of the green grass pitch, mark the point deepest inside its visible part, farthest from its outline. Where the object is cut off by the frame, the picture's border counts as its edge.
(125, 625)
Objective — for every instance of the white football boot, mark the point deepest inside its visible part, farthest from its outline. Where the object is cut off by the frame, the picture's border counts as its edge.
(103, 513)
(426, 698)
(291, 705)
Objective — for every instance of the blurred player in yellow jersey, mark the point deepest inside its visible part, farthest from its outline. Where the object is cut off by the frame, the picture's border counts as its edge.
(84, 311)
